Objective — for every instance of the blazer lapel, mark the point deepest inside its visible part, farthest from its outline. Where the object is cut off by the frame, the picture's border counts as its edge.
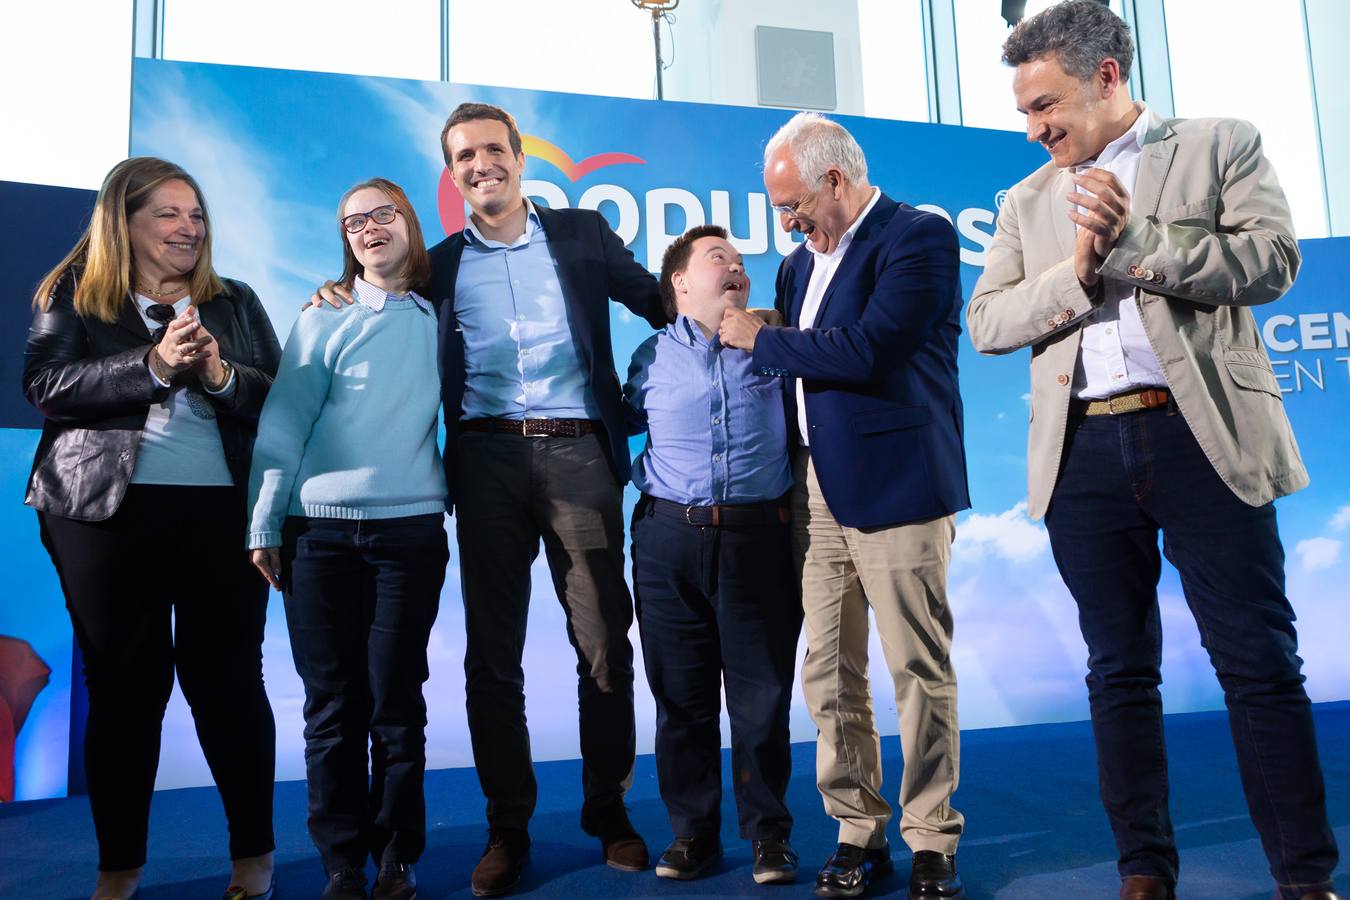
(800, 271)
(129, 320)
(1066, 232)
(1154, 164)
(564, 246)
(856, 251)
(217, 316)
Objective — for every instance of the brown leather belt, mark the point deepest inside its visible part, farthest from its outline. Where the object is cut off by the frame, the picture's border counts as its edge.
(770, 512)
(1128, 402)
(568, 428)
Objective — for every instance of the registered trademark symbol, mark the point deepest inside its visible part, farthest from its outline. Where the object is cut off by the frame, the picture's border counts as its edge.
(999, 198)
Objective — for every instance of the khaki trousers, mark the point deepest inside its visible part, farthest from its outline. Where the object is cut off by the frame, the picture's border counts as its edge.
(900, 573)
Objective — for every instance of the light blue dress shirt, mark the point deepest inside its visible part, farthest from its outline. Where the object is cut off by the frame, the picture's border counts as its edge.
(716, 430)
(520, 359)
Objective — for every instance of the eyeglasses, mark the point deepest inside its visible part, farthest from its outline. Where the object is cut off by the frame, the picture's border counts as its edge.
(381, 215)
(794, 210)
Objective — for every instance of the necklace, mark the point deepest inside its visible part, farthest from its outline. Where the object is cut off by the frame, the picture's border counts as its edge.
(151, 292)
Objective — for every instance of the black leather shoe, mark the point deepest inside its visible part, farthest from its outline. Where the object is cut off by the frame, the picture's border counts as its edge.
(623, 847)
(395, 881)
(934, 875)
(507, 852)
(775, 862)
(346, 884)
(688, 858)
(848, 872)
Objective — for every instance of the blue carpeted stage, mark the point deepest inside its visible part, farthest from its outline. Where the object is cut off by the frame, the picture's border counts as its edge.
(1034, 827)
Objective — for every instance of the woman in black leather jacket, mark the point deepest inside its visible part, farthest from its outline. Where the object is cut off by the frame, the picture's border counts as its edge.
(151, 372)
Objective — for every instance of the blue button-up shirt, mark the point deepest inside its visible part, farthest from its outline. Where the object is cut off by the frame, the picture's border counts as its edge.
(716, 430)
(519, 357)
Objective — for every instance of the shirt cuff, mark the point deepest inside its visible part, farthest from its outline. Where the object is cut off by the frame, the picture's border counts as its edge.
(226, 390)
(154, 376)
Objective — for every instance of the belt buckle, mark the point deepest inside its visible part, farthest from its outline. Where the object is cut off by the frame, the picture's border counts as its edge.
(689, 514)
(528, 429)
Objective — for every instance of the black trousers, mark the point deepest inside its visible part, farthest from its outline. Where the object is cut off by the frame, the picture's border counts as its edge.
(512, 492)
(164, 585)
(361, 597)
(719, 606)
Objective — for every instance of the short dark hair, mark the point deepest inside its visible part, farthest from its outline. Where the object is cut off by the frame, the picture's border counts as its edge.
(676, 259)
(1081, 33)
(474, 112)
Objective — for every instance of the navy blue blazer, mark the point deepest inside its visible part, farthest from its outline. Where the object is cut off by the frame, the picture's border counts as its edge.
(878, 369)
(593, 265)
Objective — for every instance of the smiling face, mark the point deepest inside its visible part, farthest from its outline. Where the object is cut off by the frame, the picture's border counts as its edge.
(819, 212)
(483, 166)
(382, 250)
(713, 280)
(1071, 118)
(167, 234)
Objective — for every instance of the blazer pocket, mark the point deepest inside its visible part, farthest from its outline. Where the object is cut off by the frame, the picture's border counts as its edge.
(1199, 210)
(891, 419)
(1251, 370)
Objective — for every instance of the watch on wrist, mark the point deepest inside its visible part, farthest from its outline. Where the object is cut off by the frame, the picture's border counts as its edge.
(225, 379)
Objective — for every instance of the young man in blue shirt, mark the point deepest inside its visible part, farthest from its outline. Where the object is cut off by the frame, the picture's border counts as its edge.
(717, 597)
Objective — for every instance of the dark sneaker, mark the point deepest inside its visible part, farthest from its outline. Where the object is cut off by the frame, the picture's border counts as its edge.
(848, 872)
(934, 875)
(345, 884)
(688, 858)
(507, 852)
(623, 847)
(395, 881)
(775, 862)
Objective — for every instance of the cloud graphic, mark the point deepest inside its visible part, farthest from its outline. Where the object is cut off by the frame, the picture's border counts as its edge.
(1318, 553)
(1010, 535)
(1341, 520)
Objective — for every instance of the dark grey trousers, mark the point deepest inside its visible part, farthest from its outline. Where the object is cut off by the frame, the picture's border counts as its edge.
(511, 492)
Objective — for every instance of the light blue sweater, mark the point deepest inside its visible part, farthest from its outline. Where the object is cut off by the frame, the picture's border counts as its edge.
(349, 428)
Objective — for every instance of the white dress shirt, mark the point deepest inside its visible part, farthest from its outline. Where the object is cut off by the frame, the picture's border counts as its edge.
(822, 273)
(1114, 354)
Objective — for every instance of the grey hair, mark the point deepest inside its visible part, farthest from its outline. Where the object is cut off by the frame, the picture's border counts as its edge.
(1081, 33)
(818, 144)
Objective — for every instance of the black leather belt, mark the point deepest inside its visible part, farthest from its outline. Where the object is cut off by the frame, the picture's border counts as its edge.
(770, 512)
(533, 427)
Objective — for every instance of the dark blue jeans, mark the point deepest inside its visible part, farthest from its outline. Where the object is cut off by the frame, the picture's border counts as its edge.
(361, 597)
(715, 606)
(1123, 479)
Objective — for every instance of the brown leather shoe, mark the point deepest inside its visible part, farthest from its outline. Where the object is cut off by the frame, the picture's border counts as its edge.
(1146, 887)
(508, 850)
(623, 847)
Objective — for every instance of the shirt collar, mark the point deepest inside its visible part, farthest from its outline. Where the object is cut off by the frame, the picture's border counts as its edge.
(474, 236)
(1131, 141)
(847, 237)
(374, 298)
(179, 306)
(686, 331)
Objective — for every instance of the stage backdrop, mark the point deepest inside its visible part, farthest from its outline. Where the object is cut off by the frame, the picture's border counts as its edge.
(274, 150)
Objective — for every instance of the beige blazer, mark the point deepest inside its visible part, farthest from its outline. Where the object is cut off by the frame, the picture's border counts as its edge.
(1209, 235)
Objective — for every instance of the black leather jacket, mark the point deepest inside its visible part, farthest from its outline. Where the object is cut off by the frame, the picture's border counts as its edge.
(89, 379)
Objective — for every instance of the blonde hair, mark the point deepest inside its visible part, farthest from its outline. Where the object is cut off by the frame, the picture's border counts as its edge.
(103, 253)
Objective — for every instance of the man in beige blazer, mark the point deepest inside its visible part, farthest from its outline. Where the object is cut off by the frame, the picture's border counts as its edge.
(1128, 263)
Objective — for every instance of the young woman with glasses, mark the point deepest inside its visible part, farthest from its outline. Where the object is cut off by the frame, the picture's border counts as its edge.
(348, 498)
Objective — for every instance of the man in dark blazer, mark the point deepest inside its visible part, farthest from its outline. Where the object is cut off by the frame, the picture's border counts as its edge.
(872, 300)
(536, 448)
